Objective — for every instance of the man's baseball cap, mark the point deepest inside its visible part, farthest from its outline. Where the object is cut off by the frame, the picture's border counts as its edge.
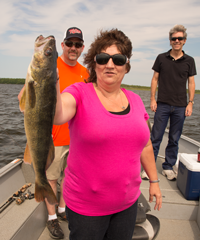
(73, 32)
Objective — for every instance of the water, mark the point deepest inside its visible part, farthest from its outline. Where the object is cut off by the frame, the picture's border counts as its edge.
(12, 134)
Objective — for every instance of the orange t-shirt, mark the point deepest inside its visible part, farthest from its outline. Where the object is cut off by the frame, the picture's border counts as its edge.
(67, 75)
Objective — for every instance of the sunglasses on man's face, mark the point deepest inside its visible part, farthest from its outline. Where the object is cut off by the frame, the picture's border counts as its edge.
(76, 44)
(179, 38)
(118, 59)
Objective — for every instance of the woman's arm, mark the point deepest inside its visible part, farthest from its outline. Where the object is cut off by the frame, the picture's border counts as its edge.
(148, 162)
(65, 107)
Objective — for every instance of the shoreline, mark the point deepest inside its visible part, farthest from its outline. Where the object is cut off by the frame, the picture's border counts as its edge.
(128, 87)
(12, 80)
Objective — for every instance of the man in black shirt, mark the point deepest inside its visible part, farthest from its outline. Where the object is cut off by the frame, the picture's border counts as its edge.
(172, 70)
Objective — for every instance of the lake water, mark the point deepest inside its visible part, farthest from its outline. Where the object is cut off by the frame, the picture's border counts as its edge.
(12, 134)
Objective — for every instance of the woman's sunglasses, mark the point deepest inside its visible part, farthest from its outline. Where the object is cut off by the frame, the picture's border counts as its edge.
(179, 38)
(118, 59)
(76, 44)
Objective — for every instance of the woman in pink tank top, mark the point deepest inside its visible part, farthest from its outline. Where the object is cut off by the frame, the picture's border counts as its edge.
(110, 140)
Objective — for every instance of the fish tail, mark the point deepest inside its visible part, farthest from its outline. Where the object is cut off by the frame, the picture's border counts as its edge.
(43, 191)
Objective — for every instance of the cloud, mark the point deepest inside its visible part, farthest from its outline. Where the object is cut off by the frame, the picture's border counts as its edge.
(7, 13)
(143, 21)
(146, 23)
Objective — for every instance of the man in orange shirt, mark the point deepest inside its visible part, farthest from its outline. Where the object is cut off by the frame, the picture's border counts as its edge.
(70, 71)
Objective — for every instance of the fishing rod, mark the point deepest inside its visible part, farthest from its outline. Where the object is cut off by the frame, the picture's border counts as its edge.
(14, 196)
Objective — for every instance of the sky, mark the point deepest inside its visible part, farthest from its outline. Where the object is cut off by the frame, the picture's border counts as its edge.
(146, 23)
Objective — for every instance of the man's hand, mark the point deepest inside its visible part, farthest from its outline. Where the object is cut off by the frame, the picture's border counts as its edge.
(188, 110)
(153, 105)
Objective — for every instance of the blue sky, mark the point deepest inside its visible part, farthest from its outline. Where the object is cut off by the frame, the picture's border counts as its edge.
(146, 23)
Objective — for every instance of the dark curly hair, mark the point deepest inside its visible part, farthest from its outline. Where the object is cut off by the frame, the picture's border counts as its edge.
(104, 40)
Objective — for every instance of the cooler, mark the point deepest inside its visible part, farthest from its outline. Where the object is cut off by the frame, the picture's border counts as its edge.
(188, 179)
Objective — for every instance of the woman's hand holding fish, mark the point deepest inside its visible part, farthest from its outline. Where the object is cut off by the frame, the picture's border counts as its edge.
(65, 106)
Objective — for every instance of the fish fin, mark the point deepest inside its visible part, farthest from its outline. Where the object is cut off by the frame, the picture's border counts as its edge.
(27, 155)
(51, 155)
(43, 191)
(22, 101)
(31, 93)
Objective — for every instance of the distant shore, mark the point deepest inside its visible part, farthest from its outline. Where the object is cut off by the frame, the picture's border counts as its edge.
(12, 80)
(136, 87)
(129, 87)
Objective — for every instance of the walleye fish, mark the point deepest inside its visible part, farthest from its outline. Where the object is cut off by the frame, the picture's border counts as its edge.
(38, 103)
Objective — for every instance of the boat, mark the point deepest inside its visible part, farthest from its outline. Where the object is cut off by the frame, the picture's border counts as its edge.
(178, 219)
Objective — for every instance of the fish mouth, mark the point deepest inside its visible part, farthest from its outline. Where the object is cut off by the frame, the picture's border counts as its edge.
(41, 43)
(40, 40)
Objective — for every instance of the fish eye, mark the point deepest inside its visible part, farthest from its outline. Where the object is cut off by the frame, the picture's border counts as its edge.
(48, 52)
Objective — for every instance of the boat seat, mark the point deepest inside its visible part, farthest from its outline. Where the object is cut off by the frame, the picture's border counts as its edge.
(147, 226)
(142, 209)
(147, 230)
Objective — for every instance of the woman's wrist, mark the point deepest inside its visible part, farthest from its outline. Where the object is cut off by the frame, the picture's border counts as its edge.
(154, 181)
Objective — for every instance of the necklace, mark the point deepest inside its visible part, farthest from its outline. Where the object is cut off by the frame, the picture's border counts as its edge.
(122, 106)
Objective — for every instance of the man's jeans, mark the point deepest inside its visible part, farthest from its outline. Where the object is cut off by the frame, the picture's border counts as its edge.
(177, 118)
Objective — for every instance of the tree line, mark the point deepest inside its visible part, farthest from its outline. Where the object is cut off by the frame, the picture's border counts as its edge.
(22, 81)
(12, 80)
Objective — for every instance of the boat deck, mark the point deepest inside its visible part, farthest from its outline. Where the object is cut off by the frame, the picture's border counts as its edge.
(177, 216)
